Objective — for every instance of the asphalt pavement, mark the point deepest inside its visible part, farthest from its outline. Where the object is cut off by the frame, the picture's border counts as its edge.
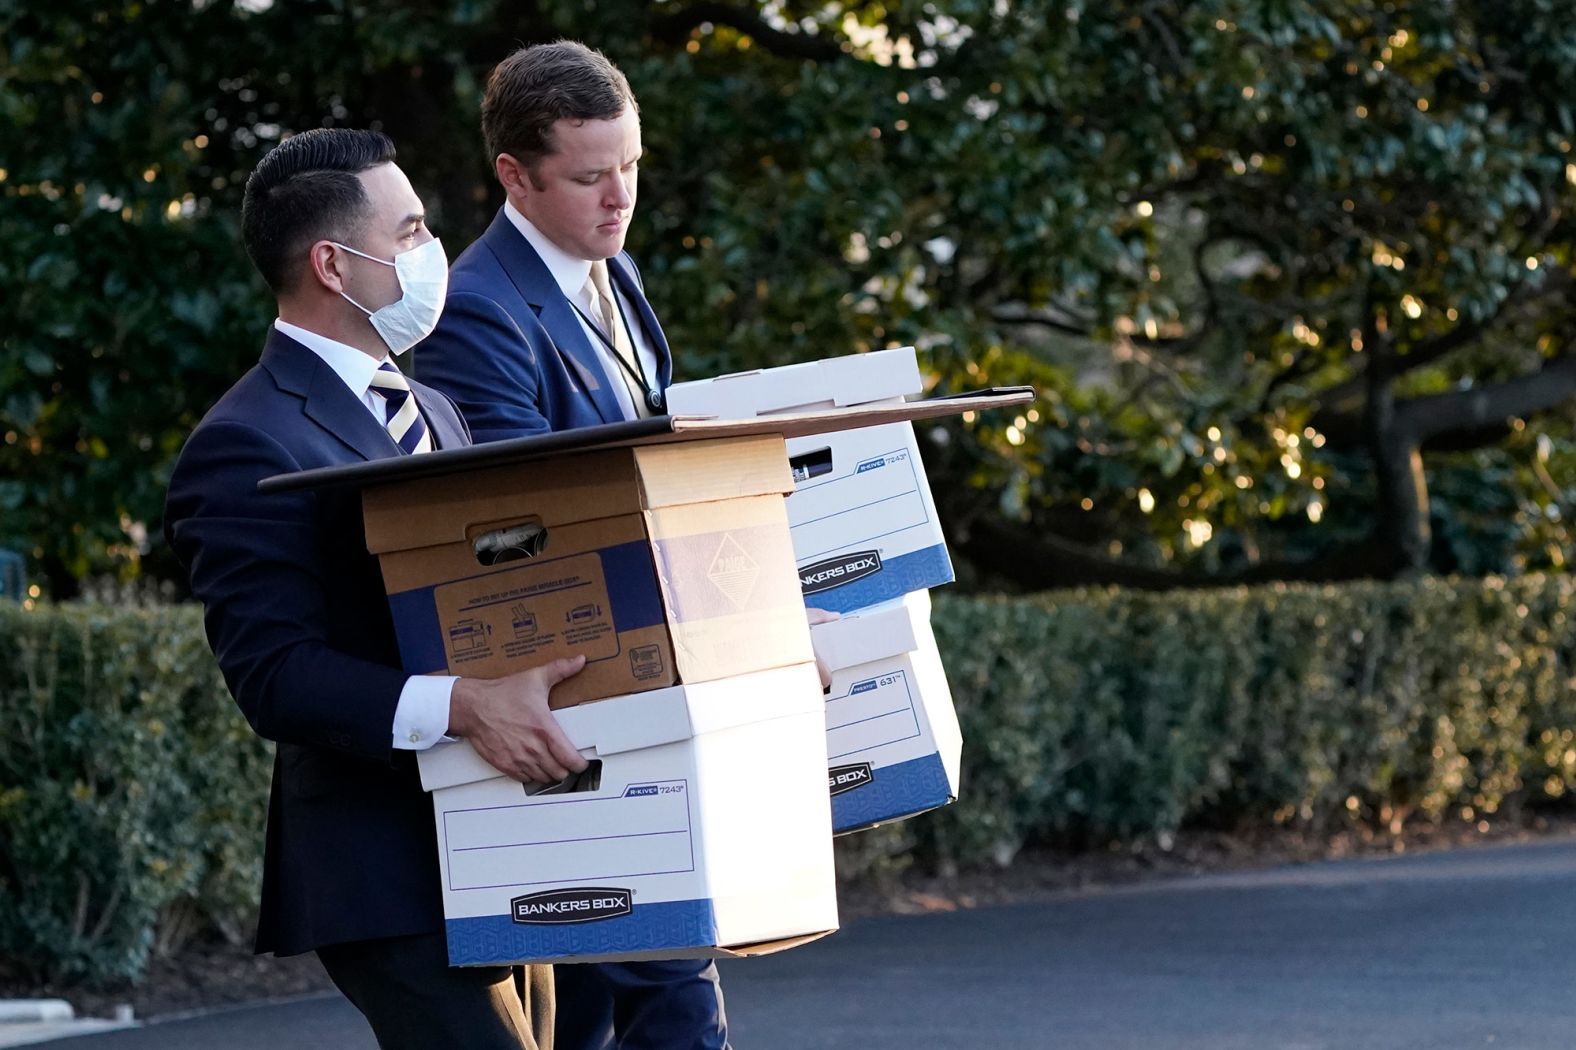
(1454, 950)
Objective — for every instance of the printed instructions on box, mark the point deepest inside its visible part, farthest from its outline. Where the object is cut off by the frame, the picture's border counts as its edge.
(544, 608)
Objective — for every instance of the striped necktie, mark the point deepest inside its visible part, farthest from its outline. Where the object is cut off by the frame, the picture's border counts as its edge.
(400, 414)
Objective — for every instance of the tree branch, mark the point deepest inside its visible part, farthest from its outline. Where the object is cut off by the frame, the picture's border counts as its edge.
(1440, 415)
(674, 27)
(1050, 318)
(1036, 560)
(1342, 397)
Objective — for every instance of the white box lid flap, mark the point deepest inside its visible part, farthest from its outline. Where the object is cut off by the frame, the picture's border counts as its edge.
(837, 382)
(875, 633)
(602, 727)
(648, 719)
(452, 764)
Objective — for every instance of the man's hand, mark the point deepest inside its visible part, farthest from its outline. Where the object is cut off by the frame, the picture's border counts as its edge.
(816, 616)
(508, 722)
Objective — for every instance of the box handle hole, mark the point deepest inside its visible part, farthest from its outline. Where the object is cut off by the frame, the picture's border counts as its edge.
(811, 464)
(510, 543)
(588, 779)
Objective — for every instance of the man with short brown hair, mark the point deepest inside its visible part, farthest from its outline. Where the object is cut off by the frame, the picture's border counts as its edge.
(547, 327)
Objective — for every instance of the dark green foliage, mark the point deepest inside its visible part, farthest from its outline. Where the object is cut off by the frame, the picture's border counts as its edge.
(1171, 217)
(132, 793)
(1091, 717)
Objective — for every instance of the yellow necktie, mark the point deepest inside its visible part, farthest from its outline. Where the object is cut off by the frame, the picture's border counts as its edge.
(604, 311)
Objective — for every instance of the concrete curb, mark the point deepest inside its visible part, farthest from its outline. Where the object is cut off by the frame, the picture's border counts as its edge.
(27, 1021)
(29, 1011)
(28, 1032)
(198, 1012)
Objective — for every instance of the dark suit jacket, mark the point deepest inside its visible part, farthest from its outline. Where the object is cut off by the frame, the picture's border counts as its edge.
(296, 614)
(510, 349)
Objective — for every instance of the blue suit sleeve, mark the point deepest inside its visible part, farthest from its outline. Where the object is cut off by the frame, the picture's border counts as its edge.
(257, 565)
(481, 359)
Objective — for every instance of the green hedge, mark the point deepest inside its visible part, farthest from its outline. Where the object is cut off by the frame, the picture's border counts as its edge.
(132, 793)
(1096, 716)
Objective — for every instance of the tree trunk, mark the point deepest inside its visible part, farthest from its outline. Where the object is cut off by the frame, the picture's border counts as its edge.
(1402, 526)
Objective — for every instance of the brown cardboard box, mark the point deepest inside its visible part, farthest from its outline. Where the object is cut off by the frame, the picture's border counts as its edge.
(663, 564)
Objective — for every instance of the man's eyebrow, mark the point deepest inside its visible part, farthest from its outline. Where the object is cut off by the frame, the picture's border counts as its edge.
(415, 218)
(604, 170)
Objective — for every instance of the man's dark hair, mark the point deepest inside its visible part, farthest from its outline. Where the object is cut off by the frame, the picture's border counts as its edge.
(537, 86)
(306, 190)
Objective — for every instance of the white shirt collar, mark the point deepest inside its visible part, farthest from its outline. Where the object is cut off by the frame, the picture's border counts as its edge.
(569, 272)
(353, 366)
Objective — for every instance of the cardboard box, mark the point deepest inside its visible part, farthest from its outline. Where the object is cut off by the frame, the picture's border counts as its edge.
(663, 564)
(707, 834)
(892, 738)
(864, 523)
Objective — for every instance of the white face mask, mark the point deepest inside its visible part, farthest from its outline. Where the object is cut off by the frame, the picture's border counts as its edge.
(423, 275)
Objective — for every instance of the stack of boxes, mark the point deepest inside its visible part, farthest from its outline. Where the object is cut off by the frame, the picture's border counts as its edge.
(700, 827)
(867, 544)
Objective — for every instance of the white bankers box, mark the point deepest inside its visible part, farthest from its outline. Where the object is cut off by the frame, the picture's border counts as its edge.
(892, 738)
(863, 521)
(704, 831)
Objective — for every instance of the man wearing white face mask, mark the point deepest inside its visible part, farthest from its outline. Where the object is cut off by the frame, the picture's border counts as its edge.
(295, 610)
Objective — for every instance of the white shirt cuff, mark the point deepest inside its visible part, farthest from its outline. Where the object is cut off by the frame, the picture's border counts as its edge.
(421, 718)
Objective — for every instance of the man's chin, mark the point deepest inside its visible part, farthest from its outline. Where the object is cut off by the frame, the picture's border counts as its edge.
(610, 244)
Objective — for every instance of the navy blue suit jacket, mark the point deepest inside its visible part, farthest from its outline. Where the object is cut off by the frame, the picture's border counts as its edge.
(510, 349)
(296, 614)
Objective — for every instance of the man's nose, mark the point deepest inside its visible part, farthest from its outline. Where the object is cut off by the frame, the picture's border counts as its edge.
(620, 198)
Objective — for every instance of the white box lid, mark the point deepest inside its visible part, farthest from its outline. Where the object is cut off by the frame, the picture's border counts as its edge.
(649, 719)
(874, 633)
(836, 382)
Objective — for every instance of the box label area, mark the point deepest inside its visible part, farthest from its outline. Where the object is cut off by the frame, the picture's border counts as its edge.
(588, 841)
(840, 779)
(835, 572)
(881, 495)
(529, 610)
(571, 904)
(873, 713)
(717, 574)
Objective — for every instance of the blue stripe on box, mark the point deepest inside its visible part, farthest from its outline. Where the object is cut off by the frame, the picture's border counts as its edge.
(627, 570)
(632, 586)
(915, 571)
(498, 939)
(894, 792)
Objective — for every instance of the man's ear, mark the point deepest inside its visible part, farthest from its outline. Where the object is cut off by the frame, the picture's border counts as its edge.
(512, 176)
(326, 263)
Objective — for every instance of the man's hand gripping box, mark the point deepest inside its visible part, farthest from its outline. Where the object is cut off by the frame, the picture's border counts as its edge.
(863, 521)
(892, 736)
(700, 829)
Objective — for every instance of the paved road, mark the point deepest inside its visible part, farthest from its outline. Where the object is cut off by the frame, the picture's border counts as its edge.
(1449, 951)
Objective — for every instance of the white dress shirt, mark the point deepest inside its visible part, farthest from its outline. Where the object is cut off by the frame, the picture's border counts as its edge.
(571, 275)
(421, 718)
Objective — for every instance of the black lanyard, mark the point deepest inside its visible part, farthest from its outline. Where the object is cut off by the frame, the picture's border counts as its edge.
(654, 399)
